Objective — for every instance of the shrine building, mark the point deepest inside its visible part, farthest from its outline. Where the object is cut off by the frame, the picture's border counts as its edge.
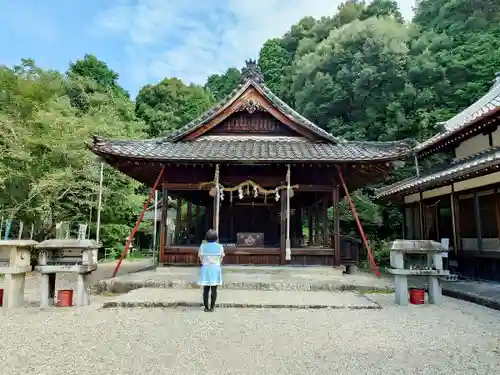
(231, 168)
(459, 202)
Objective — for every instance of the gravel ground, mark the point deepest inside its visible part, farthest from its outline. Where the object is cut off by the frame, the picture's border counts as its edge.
(456, 338)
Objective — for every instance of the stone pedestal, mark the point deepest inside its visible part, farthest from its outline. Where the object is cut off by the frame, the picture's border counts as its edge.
(66, 256)
(15, 262)
(401, 268)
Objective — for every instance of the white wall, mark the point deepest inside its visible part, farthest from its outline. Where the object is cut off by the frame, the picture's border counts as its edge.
(474, 145)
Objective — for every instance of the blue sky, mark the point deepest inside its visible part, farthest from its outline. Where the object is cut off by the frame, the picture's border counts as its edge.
(147, 40)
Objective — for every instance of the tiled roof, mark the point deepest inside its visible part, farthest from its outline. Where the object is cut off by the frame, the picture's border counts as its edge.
(239, 90)
(251, 148)
(487, 105)
(458, 168)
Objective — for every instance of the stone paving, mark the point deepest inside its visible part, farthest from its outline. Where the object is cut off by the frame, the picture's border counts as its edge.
(155, 297)
(483, 293)
(455, 338)
(261, 278)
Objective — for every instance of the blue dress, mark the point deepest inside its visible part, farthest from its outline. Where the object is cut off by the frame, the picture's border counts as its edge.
(210, 255)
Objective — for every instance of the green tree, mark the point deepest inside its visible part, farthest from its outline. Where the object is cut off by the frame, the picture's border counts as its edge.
(221, 85)
(95, 70)
(382, 8)
(47, 173)
(170, 105)
(275, 62)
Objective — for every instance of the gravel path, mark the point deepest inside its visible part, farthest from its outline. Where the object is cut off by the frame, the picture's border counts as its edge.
(456, 338)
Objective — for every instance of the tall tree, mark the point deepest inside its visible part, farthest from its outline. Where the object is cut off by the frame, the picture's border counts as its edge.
(170, 105)
(46, 170)
(382, 8)
(221, 85)
(275, 62)
(95, 70)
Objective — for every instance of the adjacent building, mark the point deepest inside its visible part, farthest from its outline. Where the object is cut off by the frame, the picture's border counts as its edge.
(459, 201)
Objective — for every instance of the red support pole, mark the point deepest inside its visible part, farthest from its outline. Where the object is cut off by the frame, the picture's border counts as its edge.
(146, 205)
(356, 217)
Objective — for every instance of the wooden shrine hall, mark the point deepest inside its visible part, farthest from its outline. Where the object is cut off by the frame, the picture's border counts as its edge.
(259, 173)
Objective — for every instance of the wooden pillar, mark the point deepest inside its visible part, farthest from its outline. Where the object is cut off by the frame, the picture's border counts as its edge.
(421, 216)
(197, 223)
(214, 213)
(163, 223)
(326, 240)
(232, 235)
(454, 221)
(178, 218)
(336, 225)
(190, 221)
(317, 240)
(283, 227)
(497, 212)
(310, 225)
(477, 219)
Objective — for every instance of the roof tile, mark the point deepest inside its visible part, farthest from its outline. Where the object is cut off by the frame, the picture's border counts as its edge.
(256, 148)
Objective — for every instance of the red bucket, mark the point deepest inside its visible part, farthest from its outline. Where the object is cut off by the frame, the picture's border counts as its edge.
(417, 296)
(65, 298)
(1, 297)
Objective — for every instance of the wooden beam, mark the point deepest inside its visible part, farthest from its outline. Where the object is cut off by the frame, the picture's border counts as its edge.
(263, 181)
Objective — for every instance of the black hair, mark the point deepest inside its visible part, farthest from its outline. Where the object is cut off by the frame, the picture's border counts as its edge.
(211, 236)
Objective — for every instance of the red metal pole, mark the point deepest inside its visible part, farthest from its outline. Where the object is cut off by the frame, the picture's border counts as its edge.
(146, 205)
(356, 217)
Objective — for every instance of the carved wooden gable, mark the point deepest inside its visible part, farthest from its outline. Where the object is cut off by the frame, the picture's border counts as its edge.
(251, 122)
(251, 114)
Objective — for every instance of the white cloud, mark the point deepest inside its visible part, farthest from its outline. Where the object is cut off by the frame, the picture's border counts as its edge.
(192, 39)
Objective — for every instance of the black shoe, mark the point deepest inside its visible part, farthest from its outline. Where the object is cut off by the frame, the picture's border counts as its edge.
(207, 309)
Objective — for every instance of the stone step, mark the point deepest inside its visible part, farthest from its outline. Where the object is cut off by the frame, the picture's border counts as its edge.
(130, 282)
(164, 298)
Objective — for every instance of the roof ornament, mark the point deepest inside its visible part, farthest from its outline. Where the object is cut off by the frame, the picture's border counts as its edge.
(252, 72)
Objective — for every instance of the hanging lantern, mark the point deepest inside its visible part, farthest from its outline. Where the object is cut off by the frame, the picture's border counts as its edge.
(277, 197)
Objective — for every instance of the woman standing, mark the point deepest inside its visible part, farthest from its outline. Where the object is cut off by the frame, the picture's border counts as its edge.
(210, 254)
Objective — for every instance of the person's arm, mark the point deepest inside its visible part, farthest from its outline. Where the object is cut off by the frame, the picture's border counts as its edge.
(200, 254)
(222, 254)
